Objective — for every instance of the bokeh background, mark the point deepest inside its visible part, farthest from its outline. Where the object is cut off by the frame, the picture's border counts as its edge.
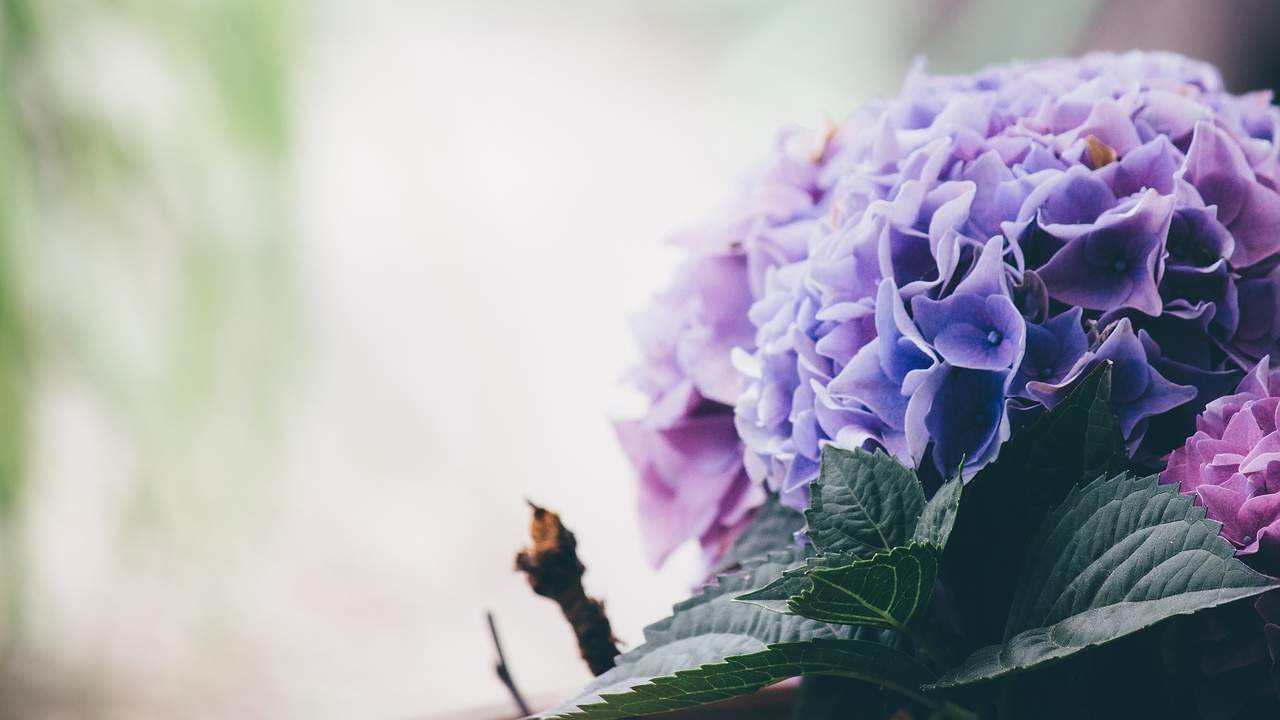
(300, 299)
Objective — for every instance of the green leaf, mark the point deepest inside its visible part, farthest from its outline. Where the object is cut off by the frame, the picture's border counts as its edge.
(939, 516)
(1006, 501)
(862, 503)
(747, 673)
(793, 580)
(1117, 556)
(885, 590)
(706, 629)
(773, 528)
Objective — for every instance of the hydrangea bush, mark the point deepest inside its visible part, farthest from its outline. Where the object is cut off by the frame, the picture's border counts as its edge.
(1005, 340)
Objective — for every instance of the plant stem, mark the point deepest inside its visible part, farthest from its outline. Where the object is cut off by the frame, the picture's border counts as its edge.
(554, 571)
(504, 672)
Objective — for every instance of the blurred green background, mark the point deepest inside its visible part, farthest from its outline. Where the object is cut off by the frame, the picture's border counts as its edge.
(275, 275)
(145, 271)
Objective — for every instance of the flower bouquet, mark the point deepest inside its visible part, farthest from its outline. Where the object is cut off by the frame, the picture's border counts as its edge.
(971, 402)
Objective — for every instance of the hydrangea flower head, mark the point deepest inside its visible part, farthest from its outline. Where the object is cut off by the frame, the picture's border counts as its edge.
(1232, 465)
(948, 262)
(990, 238)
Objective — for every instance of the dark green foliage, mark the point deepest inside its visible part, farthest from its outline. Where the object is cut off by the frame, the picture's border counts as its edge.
(1077, 441)
(1051, 550)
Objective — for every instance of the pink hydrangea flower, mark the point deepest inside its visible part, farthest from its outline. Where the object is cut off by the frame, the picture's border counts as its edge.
(1232, 465)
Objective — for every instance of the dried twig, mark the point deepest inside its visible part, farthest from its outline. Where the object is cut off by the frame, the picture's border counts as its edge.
(555, 572)
(504, 672)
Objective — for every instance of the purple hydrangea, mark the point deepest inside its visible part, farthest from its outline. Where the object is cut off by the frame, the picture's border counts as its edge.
(693, 484)
(1232, 465)
(946, 263)
(984, 240)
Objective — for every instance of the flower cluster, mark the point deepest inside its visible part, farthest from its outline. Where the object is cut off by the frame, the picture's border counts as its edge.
(945, 264)
(987, 239)
(1232, 465)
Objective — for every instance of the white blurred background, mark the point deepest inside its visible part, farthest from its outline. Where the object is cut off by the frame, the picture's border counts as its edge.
(507, 176)
(299, 301)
